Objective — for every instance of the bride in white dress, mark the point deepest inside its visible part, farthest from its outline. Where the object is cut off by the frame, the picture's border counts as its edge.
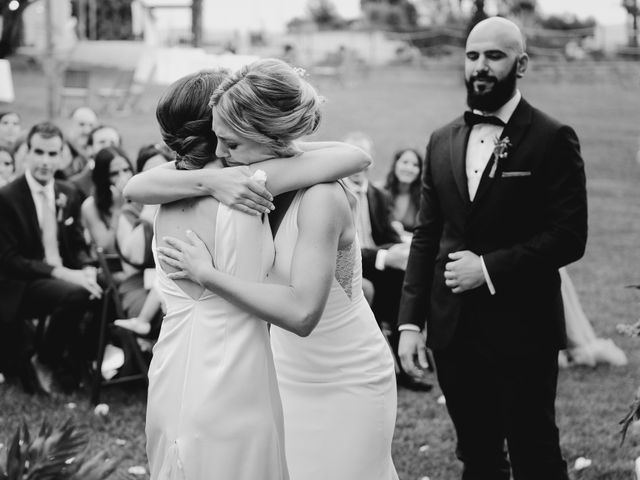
(337, 384)
(214, 409)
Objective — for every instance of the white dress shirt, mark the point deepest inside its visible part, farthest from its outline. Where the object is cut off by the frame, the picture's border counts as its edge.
(482, 139)
(35, 187)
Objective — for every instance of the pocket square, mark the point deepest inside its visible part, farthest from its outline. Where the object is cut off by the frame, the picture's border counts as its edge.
(516, 174)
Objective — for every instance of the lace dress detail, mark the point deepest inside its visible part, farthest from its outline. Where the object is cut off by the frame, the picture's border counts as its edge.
(344, 268)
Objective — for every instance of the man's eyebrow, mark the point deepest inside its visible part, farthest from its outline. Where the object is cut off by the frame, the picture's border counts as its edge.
(224, 139)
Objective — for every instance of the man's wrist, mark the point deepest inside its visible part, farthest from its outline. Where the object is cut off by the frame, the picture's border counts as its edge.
(487, 278)
(381, 259)
(409, 327)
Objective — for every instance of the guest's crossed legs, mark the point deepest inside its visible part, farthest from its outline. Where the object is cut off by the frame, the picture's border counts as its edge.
(493, 398)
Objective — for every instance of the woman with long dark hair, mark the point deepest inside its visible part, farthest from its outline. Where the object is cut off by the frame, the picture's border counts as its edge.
(403, 186)
(101, 211)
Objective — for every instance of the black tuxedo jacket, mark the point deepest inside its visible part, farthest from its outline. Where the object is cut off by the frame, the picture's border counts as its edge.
(526, 222)
(21, 249)
(383, 233)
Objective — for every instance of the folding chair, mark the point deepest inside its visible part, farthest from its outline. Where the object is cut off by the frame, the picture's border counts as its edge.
(129, 86)
(111, 303)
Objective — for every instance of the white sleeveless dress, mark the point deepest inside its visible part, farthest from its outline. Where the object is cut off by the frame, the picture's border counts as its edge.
(214, 409)
(338, 384)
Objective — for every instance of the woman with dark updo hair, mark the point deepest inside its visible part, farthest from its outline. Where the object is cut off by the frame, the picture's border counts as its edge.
(335, 371)
(213, 402)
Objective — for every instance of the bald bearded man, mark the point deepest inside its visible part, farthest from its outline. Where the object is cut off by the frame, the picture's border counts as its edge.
(503, 206)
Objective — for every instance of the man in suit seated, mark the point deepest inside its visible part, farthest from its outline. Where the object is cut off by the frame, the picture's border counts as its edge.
(44, 266)
(384, 255)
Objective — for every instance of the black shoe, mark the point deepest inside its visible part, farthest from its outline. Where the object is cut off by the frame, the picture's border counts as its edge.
(412, 383)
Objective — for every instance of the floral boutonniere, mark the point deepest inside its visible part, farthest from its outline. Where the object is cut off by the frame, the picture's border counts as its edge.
(61, 203)
(500, 152)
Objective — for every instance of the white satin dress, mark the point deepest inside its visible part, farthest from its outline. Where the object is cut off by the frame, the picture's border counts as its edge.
(214, 410)
(338, 384)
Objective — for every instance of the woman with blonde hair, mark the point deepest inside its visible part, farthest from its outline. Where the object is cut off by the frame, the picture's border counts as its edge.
(335, 371)
(214, 407)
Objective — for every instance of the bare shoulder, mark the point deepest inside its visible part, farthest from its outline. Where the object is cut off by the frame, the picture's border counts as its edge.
(331, 195)
(88, 207)
(196, 214)
(325, 202)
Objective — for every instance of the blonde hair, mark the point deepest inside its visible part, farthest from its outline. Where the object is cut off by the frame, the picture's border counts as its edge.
(270, 103)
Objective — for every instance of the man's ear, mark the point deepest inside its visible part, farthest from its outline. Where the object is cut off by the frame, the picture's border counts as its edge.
(523, 63)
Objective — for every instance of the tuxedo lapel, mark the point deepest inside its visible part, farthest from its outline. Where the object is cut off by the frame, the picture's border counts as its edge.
(29, 206)
(514, 131)
(458, 146)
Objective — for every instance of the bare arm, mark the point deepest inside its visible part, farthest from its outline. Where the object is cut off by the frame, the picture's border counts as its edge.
(103, 236)
(296, 307)
(319, 162)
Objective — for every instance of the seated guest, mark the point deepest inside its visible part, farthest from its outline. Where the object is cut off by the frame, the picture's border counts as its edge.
(44, 264)
(101, 211)
(134, 236)
(384, 255)
(83, 121)
(152, 155)
(10, 129)
(403, 187)
(7, 165)
(100, 137)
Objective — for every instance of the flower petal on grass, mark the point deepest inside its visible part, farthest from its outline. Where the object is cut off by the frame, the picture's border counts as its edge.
(101, 410)
(582, 463)
(137, 470)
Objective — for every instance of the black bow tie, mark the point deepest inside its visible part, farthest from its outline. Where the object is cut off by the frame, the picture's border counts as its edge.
(472, 119)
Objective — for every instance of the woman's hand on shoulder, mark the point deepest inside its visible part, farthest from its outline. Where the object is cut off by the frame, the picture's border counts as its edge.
(236, 188)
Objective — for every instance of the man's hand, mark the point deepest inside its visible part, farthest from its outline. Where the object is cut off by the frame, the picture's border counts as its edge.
(85, 278)
(234, 187)
(412, 349)
(397, 256)
(464, 272)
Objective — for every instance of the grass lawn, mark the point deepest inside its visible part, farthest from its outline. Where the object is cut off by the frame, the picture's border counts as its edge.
(398, 107)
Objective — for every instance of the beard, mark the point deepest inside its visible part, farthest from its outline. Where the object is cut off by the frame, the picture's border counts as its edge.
(500, 93)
